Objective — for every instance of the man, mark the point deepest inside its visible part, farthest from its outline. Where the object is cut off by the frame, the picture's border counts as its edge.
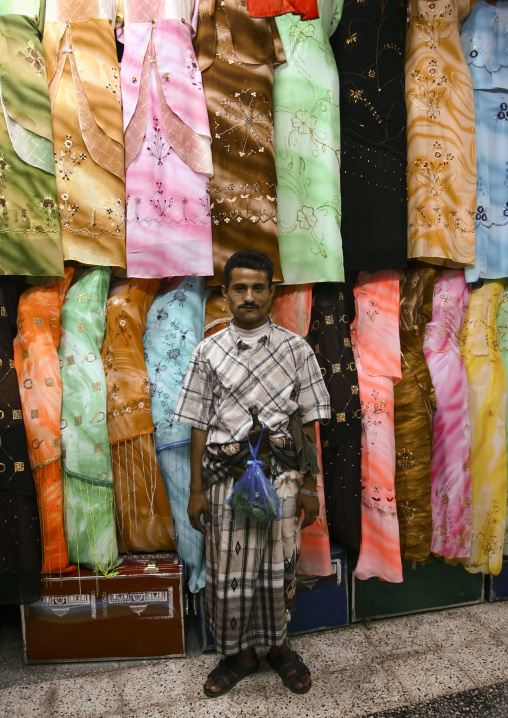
(250, 565)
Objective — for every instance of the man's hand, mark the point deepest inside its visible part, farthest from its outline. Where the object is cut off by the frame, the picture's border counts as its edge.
(198, 505)
(310, 507)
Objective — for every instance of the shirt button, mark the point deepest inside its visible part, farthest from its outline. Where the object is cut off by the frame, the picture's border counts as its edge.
(134, 79)
(152, 21)
(183, 19)
(166, 77)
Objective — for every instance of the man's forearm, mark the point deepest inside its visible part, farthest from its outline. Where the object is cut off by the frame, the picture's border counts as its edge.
(197, 449)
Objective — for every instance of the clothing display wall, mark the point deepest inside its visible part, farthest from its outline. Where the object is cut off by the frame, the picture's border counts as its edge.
(342, 139)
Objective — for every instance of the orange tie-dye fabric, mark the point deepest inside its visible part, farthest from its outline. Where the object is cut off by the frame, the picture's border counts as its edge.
(376, 346)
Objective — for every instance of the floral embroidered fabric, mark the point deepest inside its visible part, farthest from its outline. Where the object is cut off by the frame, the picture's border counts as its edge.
(84, 87)
(30, 239)
(485, 43)
(167, 137)
(236, 54)
(441, 152)
(307, 149)
(174, 328)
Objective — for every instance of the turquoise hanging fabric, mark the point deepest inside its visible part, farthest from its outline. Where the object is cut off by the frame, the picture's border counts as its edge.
(89, 507)
(174, 327)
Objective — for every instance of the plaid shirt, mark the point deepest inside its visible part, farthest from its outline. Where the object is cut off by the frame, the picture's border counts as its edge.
(225, 377)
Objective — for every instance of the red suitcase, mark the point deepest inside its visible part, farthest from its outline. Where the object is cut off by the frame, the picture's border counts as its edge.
(138, 613)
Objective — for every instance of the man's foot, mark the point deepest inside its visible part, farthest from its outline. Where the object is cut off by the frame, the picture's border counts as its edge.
(290, 667)
(230, 671)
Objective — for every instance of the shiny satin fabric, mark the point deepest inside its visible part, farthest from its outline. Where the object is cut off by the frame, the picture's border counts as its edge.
(86, 461)
(30, 238)
(84, 89)
(144, 512)
(174, 327)
(236, 55)
(415, 404)
(376, 325)
(167, 142)
(307, 9)
(441, 149)
(40, 387)
(451, 457)
(487, 411)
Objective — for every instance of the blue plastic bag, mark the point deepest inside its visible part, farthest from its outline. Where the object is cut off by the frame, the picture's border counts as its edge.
(253, 495)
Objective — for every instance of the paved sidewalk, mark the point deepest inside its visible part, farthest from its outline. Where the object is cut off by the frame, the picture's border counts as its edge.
(435, 665)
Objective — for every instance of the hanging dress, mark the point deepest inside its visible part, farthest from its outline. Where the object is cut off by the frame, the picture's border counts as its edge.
(502, 329)
(485, 43)
(415, 403)
(333, 310)
(450, 467)
(369, 50)
(167, 142)
(40, 388)
(376, 346)
(291, 307)
(487, 412)
(20, 530)
(30, 240)
(86, 107)
(90, 516)
(144, 513)
(307, 149)
(174, 327)
(441, 153)
(236, 55)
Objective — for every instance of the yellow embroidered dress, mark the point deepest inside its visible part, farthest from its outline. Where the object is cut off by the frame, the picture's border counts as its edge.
(487, 411)
(441, 151)
(84, 90)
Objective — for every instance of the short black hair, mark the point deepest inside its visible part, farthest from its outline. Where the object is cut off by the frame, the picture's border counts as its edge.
(248, 259)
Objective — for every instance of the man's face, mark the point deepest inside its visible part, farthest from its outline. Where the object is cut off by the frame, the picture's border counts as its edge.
(249, 297)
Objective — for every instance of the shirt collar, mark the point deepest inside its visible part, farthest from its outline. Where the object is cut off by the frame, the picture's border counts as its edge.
(236, 340)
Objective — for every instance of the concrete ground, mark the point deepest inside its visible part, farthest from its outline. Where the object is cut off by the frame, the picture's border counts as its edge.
(444, 664)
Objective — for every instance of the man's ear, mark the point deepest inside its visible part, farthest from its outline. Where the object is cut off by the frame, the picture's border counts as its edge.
(224, 291)
(272, 291)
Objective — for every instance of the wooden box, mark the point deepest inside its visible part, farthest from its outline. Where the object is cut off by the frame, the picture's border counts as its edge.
(137, 613)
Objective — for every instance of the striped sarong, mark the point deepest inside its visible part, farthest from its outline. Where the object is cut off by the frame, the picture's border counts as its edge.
(250, 569)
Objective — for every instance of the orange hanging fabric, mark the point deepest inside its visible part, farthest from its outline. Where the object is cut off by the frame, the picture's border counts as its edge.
(40, 388)
(308, 9)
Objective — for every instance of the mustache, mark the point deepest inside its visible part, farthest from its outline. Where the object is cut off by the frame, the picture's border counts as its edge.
(248, 306)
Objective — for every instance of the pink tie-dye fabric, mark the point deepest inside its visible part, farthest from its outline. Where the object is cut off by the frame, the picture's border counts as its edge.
(450, 473)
